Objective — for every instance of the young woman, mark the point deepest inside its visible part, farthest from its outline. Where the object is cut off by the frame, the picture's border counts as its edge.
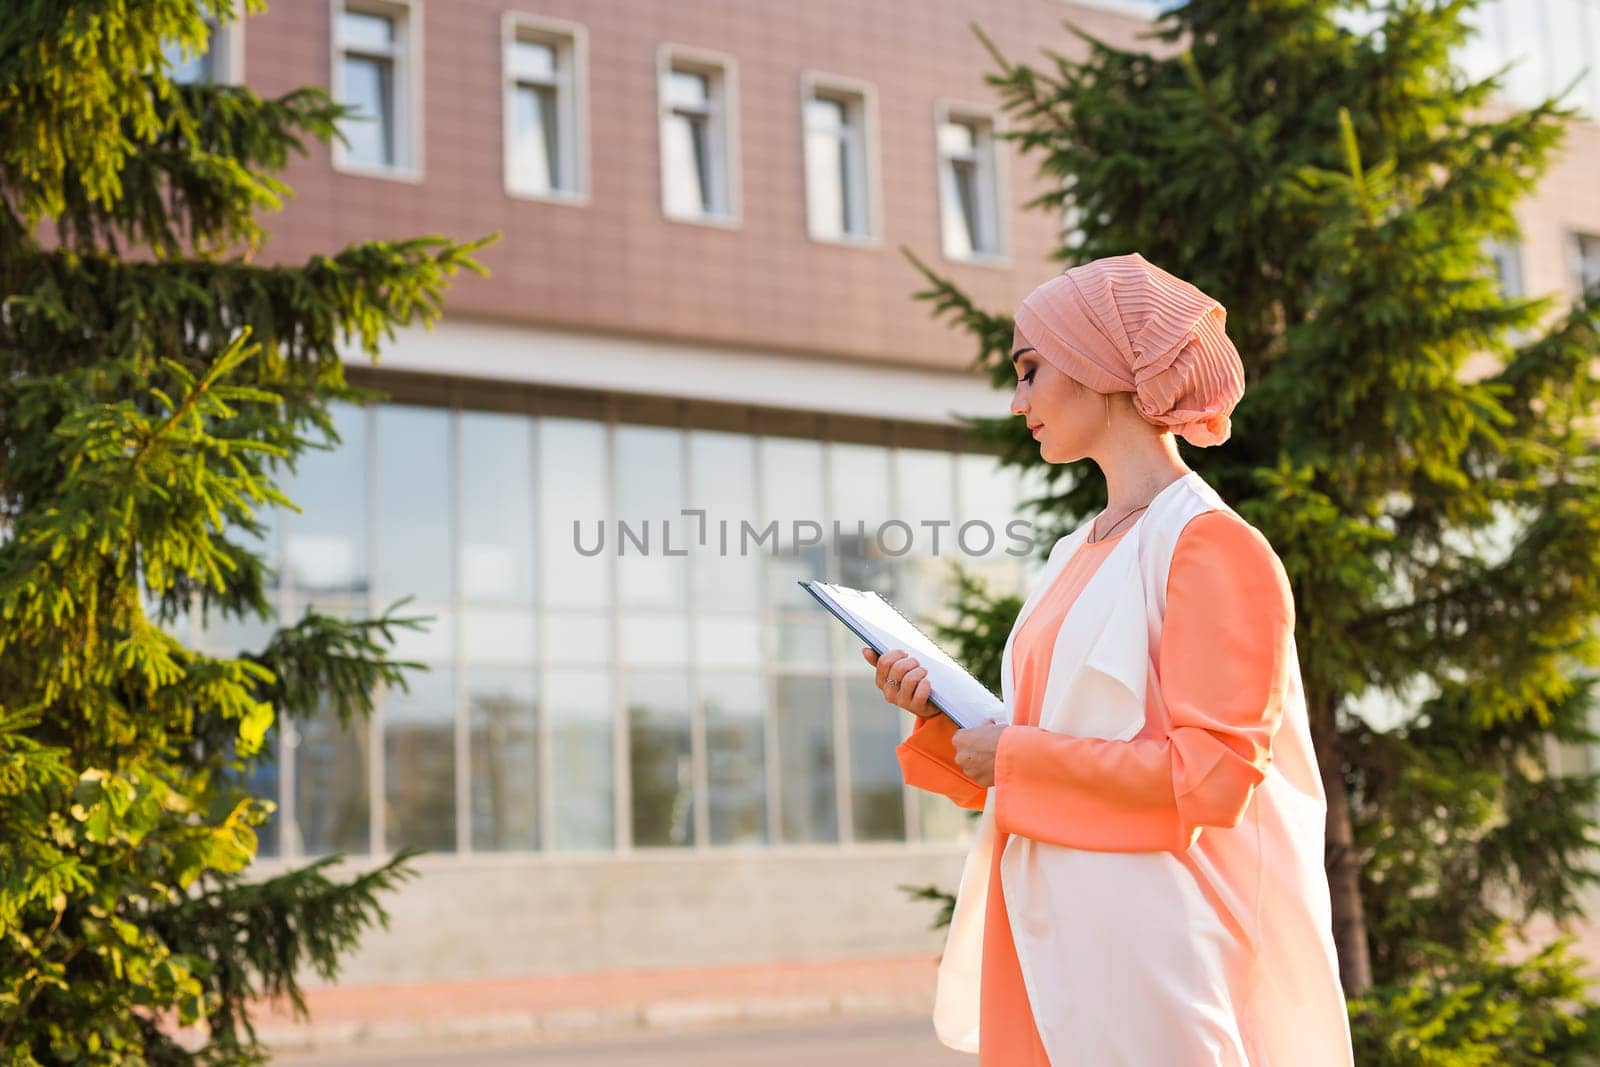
(1146, 885)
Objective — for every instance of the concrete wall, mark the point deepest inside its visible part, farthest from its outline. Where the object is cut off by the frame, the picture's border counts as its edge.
(519, 915)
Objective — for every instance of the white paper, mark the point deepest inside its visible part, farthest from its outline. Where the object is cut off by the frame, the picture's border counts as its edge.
(949, 685)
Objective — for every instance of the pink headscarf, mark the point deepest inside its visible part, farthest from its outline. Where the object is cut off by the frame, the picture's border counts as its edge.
(1123, 325)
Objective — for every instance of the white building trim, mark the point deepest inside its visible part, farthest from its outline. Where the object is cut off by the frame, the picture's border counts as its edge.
(504, 352)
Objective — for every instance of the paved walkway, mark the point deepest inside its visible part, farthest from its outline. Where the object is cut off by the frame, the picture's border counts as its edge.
(574, 1008)
(853, 1043)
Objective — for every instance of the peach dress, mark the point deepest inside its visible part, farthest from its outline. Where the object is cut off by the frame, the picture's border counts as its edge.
(1095, 794)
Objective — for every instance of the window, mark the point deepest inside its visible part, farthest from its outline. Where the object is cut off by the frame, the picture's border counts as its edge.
(969, 183)
(544, 63)
(222, 61)
(1507, 257)
(841, 168)
(1586, 260)
(377, 70)
(698, 100)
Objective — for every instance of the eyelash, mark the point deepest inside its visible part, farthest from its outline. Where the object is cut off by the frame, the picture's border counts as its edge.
(1028, 377)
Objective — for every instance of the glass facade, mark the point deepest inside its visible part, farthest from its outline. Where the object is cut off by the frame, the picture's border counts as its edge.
(617, 653)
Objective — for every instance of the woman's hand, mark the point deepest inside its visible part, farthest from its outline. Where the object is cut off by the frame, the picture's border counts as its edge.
(975, 749)
(911, 688)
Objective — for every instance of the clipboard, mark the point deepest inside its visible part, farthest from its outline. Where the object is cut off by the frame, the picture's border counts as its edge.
(962, 698)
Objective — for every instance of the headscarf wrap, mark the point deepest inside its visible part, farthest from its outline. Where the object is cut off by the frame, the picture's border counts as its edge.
(1123, 325)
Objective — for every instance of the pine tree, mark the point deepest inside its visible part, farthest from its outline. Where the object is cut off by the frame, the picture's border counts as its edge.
(153, 380)
(1336, 190)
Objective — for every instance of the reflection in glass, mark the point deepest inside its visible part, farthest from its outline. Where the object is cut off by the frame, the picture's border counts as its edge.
(877, 797)
(331, 776)
(573, 489)
(497, 541)
(503, 722)
(581, 736)
(807, 809)
(659, 752)
(926, 584)
(653, 638)
(577, 637)
(413, 501)
(325, 544)
(535, 138)
(736, 768)
(861, 504)
(497, 635)
(722, 472)
(791, 478)
(828, 165)
(419, 770)
(369, 89)
(650, 496)
(728, 642)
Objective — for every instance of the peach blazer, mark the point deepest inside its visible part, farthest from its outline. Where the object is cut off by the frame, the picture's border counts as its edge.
(1160, 865)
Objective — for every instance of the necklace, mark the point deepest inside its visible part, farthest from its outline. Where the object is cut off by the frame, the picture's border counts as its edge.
(1093, 539)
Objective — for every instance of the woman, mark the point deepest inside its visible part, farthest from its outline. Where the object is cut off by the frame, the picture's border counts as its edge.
(1146, 886)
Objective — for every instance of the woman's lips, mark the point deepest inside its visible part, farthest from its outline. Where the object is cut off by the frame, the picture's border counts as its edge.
(1037, 428)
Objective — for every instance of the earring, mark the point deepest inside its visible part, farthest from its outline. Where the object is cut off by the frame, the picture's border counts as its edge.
(1108, 410)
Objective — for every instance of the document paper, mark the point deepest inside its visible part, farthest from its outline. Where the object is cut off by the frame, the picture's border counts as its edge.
(877, 622)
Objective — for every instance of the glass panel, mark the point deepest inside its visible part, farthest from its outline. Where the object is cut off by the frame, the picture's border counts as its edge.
(260, 779)
(957, 139)
(574, 637)
(498, 635)
(827, 179)
(686, 142)
(535, 138)
(926, 481)
(688, 89)
(990, 498)
(801, 640)
(1588, 260)
(503, 720)
(234, 636)
(496, 507)
(726, 576)
(325, 544)
(655, 638)
(961, 207)
(877, 789)
(862, 503)
(805, 752)
(413, 502)
(574, 514)
(1565, 59)
(581, 736)
(791, 475)
(195, 69)
(661, 759)
(331, 781)
(369, 88)
(434, 639)
(419, 768)
(533, 59)
(728, 642)
(650, 495)
(736, 769)
(361, 29)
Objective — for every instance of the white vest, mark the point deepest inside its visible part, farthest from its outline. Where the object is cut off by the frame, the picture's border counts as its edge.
(1221, 955)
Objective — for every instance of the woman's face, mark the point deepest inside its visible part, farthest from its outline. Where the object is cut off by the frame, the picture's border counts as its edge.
(1070, 417)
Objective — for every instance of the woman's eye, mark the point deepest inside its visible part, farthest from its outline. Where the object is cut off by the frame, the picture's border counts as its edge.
(1028, 377)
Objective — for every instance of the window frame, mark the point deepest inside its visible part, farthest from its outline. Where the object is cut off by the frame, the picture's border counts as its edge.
(224, 50)
(406, 56)
(723, 72)
(992, 170)
(571, 41)
(869, 181)
(1575, 241)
